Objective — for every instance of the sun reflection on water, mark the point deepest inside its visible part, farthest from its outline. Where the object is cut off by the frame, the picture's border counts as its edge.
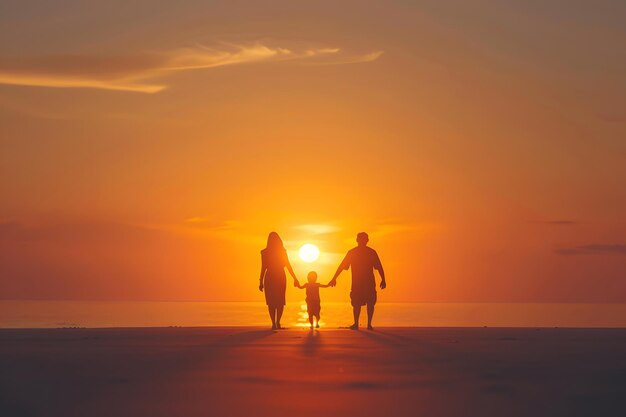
(303, 318)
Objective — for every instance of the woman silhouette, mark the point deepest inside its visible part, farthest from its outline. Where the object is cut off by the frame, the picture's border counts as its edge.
(274, 260)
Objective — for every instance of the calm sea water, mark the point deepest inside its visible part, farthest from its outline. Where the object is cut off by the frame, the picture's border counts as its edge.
(54, 314)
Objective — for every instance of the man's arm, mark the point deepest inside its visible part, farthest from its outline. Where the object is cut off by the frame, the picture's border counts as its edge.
(383, 282)
(345, 264)
(379, 267)
(333, 281)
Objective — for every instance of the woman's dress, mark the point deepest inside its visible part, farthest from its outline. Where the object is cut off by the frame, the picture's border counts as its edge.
(275, 281)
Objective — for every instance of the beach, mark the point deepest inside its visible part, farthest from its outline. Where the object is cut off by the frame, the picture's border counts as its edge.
(253, 371)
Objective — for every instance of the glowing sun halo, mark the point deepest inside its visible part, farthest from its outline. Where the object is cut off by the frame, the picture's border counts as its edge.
(309, 252)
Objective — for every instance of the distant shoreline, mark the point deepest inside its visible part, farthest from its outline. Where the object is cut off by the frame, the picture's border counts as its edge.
(103, 314)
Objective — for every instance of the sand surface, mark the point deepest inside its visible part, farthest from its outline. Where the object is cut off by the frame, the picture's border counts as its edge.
(295, 372)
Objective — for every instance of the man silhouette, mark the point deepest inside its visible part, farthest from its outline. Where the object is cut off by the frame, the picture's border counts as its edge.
(363, 261)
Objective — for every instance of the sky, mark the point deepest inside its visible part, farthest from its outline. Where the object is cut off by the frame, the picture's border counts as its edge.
(147, 148)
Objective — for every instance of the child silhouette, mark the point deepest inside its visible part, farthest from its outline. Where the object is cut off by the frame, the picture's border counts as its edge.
(312, 297)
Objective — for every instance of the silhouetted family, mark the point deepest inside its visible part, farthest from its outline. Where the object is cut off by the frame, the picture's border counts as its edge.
(362, 259)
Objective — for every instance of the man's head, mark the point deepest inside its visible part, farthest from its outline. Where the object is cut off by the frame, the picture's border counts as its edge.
(312, 277)
(362, 239)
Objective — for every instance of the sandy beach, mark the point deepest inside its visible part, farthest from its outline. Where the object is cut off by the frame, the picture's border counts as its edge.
(332, 372)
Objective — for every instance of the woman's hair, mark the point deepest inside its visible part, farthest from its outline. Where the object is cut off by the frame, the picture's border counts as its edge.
(274, 242)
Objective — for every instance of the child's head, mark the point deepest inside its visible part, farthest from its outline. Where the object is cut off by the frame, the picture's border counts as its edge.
(312, 276)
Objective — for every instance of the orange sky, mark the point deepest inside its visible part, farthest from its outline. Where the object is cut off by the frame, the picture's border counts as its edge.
(148, 148)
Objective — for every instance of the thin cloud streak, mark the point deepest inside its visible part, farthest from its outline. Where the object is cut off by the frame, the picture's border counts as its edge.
(133, 73)
(78, 83)
(318, 229)
(558, 222)
(203, 57)
(357, 59)
(120, 73)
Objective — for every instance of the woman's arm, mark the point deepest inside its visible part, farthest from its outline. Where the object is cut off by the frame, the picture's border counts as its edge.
(290, 269)
(263, 271)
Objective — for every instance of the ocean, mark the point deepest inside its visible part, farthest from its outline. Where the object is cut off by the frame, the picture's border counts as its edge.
(63, 314)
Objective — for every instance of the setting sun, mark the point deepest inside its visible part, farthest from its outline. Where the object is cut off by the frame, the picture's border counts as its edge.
(309, 252)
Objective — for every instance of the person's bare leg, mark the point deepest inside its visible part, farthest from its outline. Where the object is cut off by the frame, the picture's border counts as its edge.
(370, 315)
(279, 314)
(356, 312)
(311, 320)
(272, 311)
(317, 321)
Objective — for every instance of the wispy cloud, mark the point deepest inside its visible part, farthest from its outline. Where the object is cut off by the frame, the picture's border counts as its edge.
(137, 73)
(558, 222)
(595, 248)
(318, 229)
(123, 73)
(204, 223)
(352, 59)
(211, 227)
(202, 56)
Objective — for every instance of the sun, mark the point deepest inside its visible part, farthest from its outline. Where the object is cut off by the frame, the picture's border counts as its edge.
(309, 252)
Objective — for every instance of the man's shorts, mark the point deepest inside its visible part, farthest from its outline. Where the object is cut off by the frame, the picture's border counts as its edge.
(363, 297)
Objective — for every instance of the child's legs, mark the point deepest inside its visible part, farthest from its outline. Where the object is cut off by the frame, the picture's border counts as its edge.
(311, 318)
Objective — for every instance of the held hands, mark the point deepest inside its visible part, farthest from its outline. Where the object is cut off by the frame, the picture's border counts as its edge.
(383, 285)
(296, 283)
(332, 282)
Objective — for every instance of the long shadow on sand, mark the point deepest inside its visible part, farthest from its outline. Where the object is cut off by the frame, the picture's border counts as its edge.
(63, 372)
(388, 339)
(246, 337)
(312, 343)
